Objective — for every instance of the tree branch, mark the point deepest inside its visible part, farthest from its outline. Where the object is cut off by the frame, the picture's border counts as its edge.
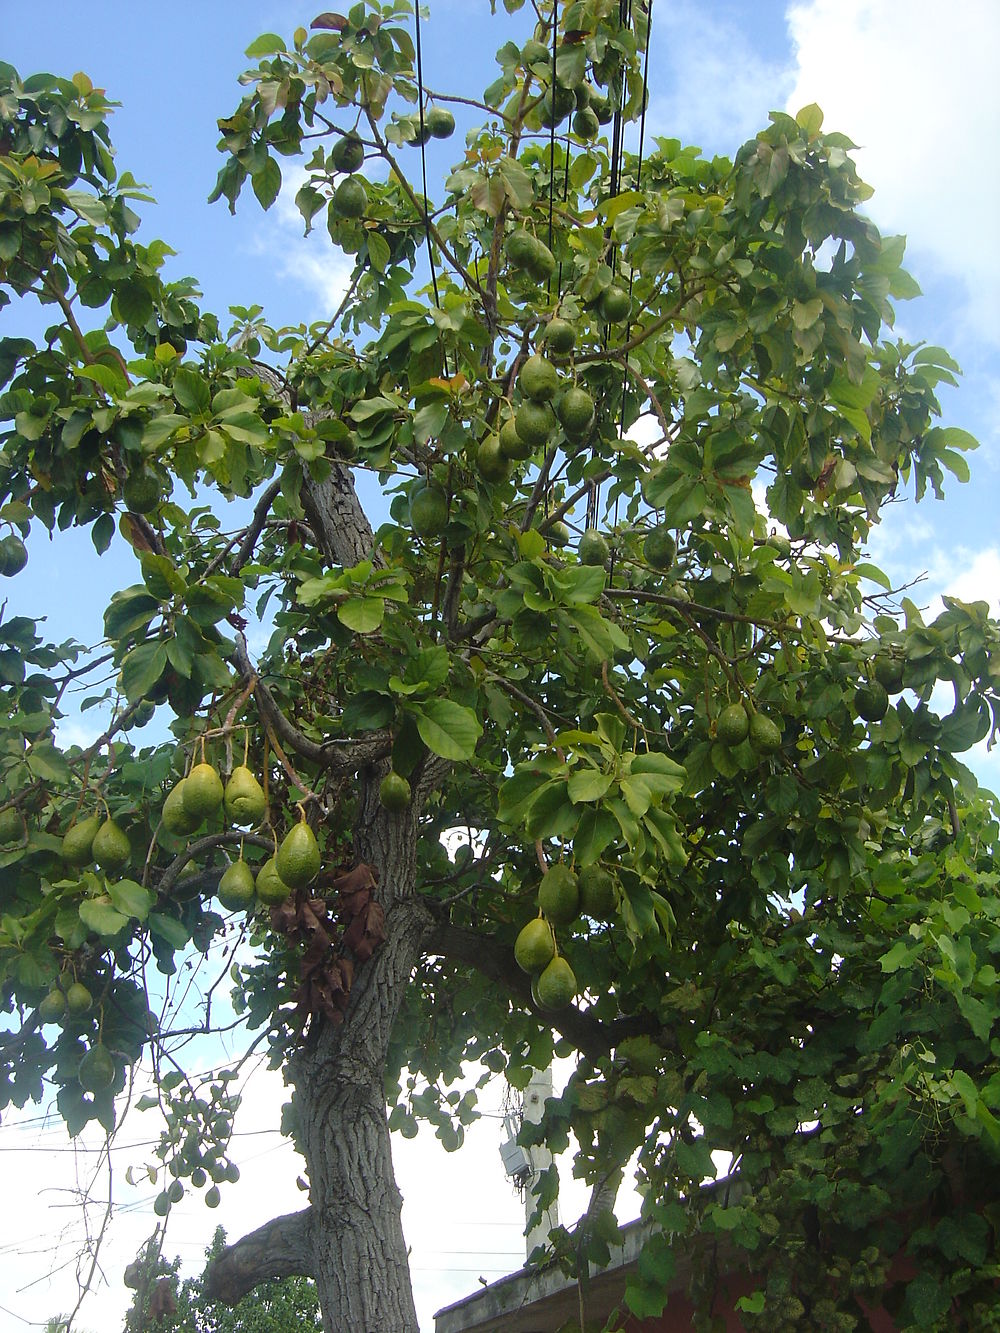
(279, 1248)
(337, 755)
(589, 1035)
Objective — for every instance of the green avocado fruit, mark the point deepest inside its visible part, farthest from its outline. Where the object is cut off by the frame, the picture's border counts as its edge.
(111, 848)
(78, 841)
(597, 893)
(271, 888)
(244, 797)
(176, 819)
(559, 894)
(765, 734)
(593, 548)
(236, 890)
(97, 1069)
(203, 791)
(733, 725)
(428, 511)
(556, 985)
(394, 793)
(298, 859)
(535, 946)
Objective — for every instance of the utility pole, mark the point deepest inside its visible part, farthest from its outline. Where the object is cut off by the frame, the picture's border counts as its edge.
(535, 1096)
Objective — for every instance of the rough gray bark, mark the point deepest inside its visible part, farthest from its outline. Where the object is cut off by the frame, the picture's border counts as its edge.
(350, 1239)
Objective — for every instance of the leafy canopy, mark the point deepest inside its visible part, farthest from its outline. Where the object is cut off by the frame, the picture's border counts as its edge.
(798, 966)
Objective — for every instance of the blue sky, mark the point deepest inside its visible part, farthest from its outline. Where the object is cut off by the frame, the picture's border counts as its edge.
(913, 84)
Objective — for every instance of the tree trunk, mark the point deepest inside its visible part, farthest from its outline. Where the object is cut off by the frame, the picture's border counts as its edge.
(360, 1260)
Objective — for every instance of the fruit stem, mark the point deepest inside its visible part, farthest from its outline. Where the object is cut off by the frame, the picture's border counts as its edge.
(540, 854)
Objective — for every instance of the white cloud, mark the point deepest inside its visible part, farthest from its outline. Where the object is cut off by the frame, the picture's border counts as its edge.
(915, 87)
(708, 85)
(311, 261)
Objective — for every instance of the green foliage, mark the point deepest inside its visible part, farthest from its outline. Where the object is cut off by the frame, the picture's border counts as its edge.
(286, 1305)
(805, 917)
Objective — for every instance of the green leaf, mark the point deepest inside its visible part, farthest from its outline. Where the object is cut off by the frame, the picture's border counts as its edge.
(192, 390)
(449, 729)
(131, 898)
(596, 831)
(142, 668)
(268, 44)
(362, 614)
(810, 119)
(98, 915)
(102, 532)
(168, 928)
(267, 182)
(588, 784)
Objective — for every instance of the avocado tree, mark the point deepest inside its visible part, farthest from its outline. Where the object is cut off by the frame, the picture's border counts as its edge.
(602, 736)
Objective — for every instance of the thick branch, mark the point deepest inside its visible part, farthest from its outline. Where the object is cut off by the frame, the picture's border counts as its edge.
(280, 1248)
(496, 962)
(338, 755)
(343, 533)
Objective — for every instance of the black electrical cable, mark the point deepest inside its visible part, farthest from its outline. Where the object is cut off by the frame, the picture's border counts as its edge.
(552, 125)
(423, 170)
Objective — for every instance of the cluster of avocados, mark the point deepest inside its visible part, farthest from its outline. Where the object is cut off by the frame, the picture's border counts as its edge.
(563, 895)
(735, 724)
(295, 863)
(99, 840)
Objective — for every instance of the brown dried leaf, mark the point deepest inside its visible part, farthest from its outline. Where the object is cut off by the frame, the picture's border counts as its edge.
(162, 1302)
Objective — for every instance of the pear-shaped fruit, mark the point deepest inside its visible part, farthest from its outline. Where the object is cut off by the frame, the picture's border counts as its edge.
(492, 463)
(511, 444)
(347, 154)
(585, 123)
(558, 534)
(271, 888)
(659, 548)
(871, 701)
(538, 379)
(236, 887)
(597, 893)
(615, 304)
(11, 825)
(593, 548)
(576, 411)
(534, 422)
(78, 999)
(350, 198)
(176, 819)
(394, 793)
(111, 848)
(534, 947)
(556, 986)
(298, 860)
(78, 841)
(440, 122)
(13, 556)
(428, 511)
(203, 791)
(765, 735)
(97, 1069)
(888, 672)
(559, 894)
(141, 491)
(733, 725)
(52, 1006)
(520, 248)
(244, 797)
(560, 336)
